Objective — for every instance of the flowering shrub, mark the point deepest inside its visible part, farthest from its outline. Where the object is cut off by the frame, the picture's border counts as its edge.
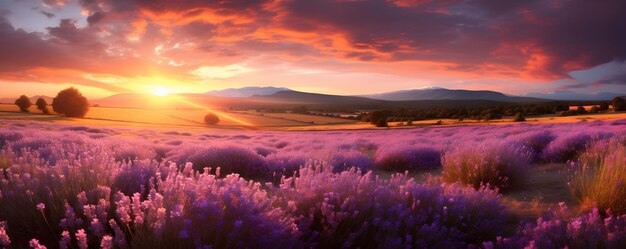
(199, 210)
(5, 241)
(231, 159)
(286, 163)
(124, 151)
(347, 160)
(134, 177)
(566, 147)
(350, 210)
(40, 201)
(408, 158)
(499, 165)
(598, 178)
(9, 136)
(537, 142)
(556, 230)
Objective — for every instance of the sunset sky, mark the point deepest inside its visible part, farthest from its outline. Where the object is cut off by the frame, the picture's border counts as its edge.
(105, 47)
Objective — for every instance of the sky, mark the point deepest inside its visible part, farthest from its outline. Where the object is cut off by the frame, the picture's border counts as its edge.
(348, 47)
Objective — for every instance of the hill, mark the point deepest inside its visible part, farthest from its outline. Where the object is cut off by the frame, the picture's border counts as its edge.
(246, 91)
(569, 95)
(33, 99)
(449, 94)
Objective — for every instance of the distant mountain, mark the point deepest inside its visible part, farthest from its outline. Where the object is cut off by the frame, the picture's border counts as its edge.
(448, 94)
(33, 99)
(48, 99)
(173, 101)
(247, 91)
(271, 97)
(131, 100)
(264, 98)
(569, 95)
(295, 97)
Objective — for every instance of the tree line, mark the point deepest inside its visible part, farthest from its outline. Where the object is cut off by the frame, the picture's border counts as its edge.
(380, 118)
(69, 102)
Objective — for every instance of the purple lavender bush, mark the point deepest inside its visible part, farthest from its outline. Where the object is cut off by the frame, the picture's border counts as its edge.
(536, 142)
(342, 161)
(556, 230)
(566, 147)
(231, 159)
(40, 201)
(9, 136)
(412, 158)
(193, 210)
(351, 210)
(285, 164)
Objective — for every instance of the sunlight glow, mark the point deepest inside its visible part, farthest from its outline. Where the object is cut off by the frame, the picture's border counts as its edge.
(217, 112)
(161, 91)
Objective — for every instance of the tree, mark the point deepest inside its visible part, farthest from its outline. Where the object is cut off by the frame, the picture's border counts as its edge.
(618, 104)
(42, 105)
(71, 103)
(594, 109)
(581, 109)
(519, 117)
(382, 122)
(375, 116)
(604, 106)
(299, 109)
(23, 103)
(211, 119)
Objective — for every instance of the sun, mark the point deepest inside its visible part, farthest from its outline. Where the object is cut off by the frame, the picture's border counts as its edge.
(161, 91)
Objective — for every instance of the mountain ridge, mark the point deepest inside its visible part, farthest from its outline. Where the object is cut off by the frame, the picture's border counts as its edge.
(448, 94)
(249, 91)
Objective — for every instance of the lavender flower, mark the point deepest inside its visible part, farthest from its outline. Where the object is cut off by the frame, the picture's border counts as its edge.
(65, 241)
(5, 241)
(81, 239)
(106, 242)
(34, 243)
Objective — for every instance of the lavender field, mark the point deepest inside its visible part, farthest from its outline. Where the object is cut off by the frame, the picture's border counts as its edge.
(482, 186)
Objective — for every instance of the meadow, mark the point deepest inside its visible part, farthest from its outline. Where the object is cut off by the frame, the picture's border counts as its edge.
(557, 185)
(194, 117)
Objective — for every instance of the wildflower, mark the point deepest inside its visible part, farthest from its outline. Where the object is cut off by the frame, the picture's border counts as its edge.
(5, 241)
(34, 243)
(65, 241)
(107, 242)
(81, 238)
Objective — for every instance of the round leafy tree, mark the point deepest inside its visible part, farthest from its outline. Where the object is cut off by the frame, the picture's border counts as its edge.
(42, 105)
(23, 103)
(211, 119)
(71, 103)
(382, 123)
